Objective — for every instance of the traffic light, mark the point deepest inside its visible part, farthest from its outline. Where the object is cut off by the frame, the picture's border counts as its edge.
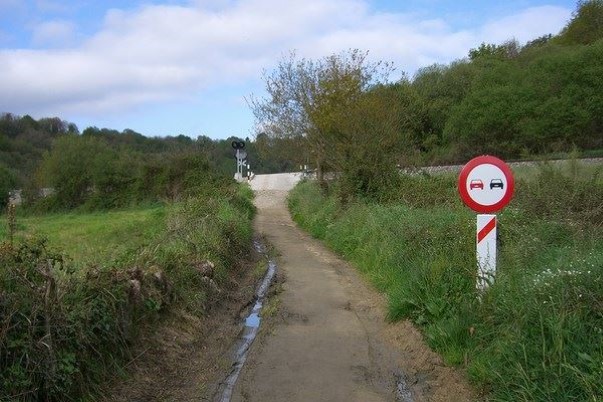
(238, 144)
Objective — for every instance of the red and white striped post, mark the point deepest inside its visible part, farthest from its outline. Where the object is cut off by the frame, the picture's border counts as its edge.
(486, 250)
(486, 185)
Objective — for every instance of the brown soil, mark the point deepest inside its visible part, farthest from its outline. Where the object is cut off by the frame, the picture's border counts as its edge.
(187, 355)
(324, 337)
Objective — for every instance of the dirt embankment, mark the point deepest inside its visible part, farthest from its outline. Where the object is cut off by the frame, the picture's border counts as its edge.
(187, 356)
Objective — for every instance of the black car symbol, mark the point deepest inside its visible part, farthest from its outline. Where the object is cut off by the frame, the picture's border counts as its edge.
(496, 183)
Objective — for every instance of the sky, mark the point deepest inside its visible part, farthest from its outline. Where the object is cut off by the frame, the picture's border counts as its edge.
(187, 67)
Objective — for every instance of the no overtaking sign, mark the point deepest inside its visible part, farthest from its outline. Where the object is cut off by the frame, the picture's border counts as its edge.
(486, 185)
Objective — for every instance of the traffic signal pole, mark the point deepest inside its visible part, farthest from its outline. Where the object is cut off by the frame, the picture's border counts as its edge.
(241, 157)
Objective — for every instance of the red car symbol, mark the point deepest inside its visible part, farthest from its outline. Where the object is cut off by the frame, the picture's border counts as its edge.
(476, 184)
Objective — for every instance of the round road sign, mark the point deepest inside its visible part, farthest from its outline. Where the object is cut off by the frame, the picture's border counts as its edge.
(486, 184)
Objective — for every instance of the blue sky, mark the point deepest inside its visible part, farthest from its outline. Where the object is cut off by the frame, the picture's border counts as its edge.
(186, 67)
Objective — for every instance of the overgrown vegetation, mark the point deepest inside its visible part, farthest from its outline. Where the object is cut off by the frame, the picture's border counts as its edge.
(344, 114)
(115, 231)
(70, 313)
(537, 334)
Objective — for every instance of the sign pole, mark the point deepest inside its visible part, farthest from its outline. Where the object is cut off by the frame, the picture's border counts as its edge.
(238, 175)
(486, 250)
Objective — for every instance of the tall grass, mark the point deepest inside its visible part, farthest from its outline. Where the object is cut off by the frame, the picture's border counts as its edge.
(95, 237)
(65, 323)
(537, 333)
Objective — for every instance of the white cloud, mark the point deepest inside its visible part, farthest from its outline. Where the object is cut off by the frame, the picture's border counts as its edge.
(160, 52)
(54, 33)
(527, 25)
(53, 6)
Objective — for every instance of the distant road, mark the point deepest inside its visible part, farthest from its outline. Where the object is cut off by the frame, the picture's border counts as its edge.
(278, 181)
(286, 181)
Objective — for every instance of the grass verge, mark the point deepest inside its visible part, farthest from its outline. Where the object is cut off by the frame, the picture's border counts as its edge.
(537, 334)
(66, 324)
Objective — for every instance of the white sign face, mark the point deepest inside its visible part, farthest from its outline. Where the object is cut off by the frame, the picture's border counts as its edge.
(486, 184)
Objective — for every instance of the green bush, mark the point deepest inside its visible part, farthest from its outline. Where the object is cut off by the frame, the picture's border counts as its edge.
(58, 330)
(118, 178)
(8, 181)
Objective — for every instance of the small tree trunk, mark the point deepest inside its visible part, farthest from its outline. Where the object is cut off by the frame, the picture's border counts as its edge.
(319, 173)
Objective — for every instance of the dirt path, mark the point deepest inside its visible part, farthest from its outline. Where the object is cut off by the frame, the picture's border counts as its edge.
(330, 341)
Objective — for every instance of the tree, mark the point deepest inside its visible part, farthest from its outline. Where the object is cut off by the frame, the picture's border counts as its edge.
(368, 137)
(586, 25)
(440, 89)
(538, 42)
(508, 50)
(307, 99)
(69, 168)
(8, 181)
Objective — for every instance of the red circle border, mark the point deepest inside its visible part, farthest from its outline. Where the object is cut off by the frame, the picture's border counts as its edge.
(462, 184)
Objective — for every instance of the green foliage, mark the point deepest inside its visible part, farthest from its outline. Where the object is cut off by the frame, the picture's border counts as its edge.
(23, 140)
(8, 181)
(276, 155)
(440, 88)
(70, 320)
(586, 25)
(508, 49)
(551, 104)
(63, 170)
(111, 178)
(536, 334)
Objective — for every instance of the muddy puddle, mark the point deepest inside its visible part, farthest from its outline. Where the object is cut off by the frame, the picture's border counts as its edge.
(251, 326)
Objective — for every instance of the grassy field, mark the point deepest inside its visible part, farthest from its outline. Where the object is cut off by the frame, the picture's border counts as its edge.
(77, 290)
(94, 238)
(537, 334)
